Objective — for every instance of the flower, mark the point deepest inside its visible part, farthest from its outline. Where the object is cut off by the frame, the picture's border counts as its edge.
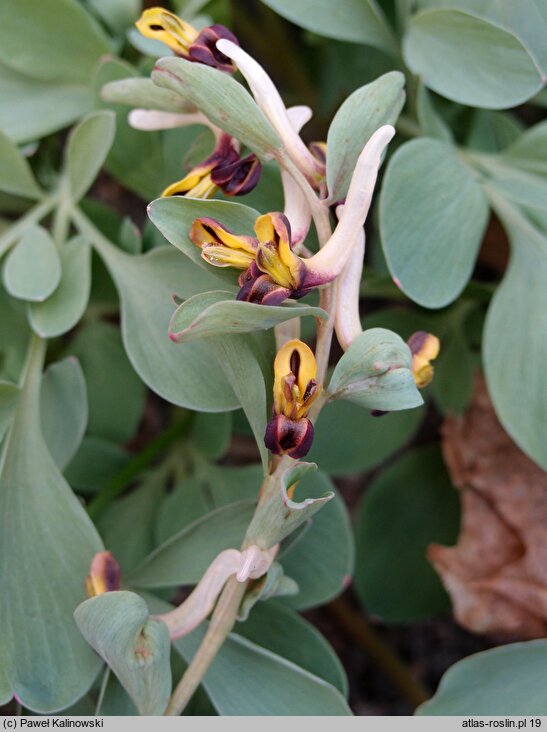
(425, 348)
(185, 40)
(290, 432)
(273, 272)
(223, 169)
(104, 575)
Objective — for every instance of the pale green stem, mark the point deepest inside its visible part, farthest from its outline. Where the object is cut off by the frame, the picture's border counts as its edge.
(34, 216)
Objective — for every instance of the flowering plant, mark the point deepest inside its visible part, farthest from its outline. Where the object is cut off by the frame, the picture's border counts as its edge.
(239, 304)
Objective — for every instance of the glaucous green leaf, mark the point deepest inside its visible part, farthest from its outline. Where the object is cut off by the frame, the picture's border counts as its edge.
(358, 21)
(143, 93)
(362, 113)
(127, 525)
(110, 381)
(432, 217)
(211, 487)
(117, 14)
(186, 374)
(37, 108)
(9, 393)
(410, 505)
(454, 373)
(35, 43)
(64, 308)
(183, 558)
(285, 633)
(504, 680)
(16, 177)
(431, 122)
(50, 542)
(95, 464)
(529, 151)
(63, 409)
(237, 359)
(448, 47)
(135, 646)
(321, 559)
(32, 270)
(348, 439)
(515, 344)
(211, 434)
(245, 679)
(87, 147)
(375, 373)
(491, 131)
(279, 515)
(217, 313)
(223, 100)
(174, 217)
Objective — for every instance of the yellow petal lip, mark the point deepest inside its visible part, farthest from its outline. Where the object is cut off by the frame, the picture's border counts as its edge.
(164, 26)
(221, 256)
(295, 371)
(197, 184)
(206, 231)
(275, 256)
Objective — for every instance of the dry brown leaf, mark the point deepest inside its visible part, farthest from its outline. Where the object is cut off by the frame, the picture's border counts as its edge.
(497, 572)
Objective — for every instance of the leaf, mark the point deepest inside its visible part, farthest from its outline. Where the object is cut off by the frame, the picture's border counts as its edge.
(411, 504)
(9, 394)
(363, 112)
(528, 151)
(321, 559)
(110, 380)
(348, 439)
(375, 373)
(46, 543)
(278, 515)
(223, 100)
(431, 122)
(86, 151)
(504, 680)
(448, 47)
(95, 464)
(248, 680)
(33, 42)
(236, 357)
(64, 308)
(433, 214)
(32, 269)
(174, 217)
(127, 525)
(38, 108)
(211, 434)
(211, 487)
(183, 559)
(16, 176)
(454, 371)
(143, 93)
(357, 21)
(515, 345)
(185, 374)
(287, 634)
(63, 409)
(136, 647)
(217, 313)
(117, 14)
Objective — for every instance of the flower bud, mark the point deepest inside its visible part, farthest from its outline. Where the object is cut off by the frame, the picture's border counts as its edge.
(425, 348)
(104, 575)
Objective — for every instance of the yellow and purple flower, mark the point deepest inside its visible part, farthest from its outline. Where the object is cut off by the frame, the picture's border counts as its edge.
(224, 169)
(425, 348)
(104, 575)
(290, 432)
(185, 40)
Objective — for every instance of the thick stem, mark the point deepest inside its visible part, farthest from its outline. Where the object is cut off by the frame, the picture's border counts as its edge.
(222, 622)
